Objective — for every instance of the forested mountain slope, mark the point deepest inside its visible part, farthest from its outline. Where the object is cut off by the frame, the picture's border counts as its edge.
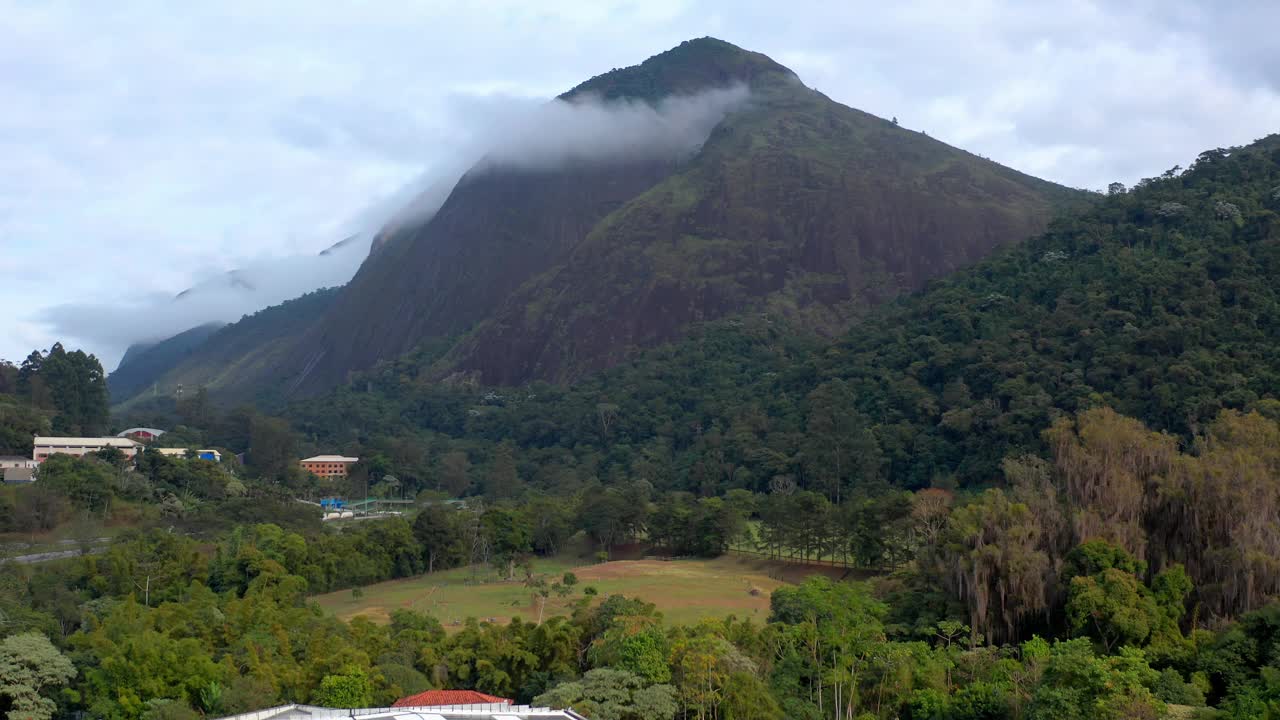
(550, 270)
(146, 363)
(1161, 302)
(236, 362)
(794, 200)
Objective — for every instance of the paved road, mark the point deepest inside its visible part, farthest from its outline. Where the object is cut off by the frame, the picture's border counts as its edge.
(45, 556)
(30, 558)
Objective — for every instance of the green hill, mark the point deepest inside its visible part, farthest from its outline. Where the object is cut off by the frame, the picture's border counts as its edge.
(145, 363)
(235, 362)
(1161, 302)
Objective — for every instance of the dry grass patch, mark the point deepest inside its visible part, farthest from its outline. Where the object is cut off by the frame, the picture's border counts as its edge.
(685, 591)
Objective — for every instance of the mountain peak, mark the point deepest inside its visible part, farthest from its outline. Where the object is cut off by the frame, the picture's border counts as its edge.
(792, 204)
(690, 67)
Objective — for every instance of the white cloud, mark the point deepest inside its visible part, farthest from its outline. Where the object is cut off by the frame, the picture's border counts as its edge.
(144, 147)
(264, 281)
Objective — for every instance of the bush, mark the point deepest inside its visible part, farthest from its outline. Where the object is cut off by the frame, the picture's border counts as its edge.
(1171, 688)
(929, 704)
(980, 701)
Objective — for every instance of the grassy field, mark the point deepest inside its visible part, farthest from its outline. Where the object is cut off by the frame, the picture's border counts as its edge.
(684, 590)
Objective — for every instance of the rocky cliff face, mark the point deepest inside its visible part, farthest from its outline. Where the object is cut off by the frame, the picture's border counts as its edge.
(794, 202)
(788, 202)
(797, 205)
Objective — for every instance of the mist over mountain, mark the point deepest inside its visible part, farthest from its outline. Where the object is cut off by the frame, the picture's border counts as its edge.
(219, 298)
(707, 181)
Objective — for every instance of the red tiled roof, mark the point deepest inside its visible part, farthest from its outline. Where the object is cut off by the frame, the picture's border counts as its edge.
(437, 698)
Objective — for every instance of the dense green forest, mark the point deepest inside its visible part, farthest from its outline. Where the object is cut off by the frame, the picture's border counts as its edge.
(1159, 302)
(1112, 577)
(1062, 467)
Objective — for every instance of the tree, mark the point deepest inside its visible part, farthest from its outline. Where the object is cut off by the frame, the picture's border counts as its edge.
(1077, 684)
(30, 665)
(272, 447)
(840, 449)
(455, 473)
(77, 386)
(510, 536)
(1111, 607)
(1107, 463)
(29, 377)
(610, 515)
(747, 697)
(608, 694)
(86, 483)
(635, 644)
(502, 481)
(930, 509)
(350, 689)
(829, 631)
(438, 532)
(992, 558)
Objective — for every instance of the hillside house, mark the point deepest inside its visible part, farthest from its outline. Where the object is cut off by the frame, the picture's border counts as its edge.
(328, 466)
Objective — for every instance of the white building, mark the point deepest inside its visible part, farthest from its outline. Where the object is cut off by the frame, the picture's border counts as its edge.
(494, 711)
(213, 455)
(80, 446)
(15, 461)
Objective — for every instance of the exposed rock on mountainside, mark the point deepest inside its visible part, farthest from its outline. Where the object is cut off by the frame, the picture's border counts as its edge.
(787, 201)
(793, 201)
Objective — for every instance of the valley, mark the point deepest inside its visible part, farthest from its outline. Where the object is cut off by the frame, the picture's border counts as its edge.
(770, 409)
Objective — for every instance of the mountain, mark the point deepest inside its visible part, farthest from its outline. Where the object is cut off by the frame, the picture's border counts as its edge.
(793, 201)
(788, 202)
(145, 363)
(1160, 302)
(229, 360)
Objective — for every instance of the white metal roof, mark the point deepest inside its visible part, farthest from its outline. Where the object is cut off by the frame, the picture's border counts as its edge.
(151, 431)
(331, 458)
(183, 451)
(85, 441)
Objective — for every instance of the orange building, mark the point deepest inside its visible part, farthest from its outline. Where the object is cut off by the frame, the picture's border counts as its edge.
(329, 466)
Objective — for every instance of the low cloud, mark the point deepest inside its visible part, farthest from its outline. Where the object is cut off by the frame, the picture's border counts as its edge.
(525, 134)
(221, 298)
(501, 133)
(589, 130)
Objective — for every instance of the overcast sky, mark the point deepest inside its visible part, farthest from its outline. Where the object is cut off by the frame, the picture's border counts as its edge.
(145, 150)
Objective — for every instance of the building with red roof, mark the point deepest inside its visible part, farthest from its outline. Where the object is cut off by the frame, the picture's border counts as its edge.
(449, 698)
